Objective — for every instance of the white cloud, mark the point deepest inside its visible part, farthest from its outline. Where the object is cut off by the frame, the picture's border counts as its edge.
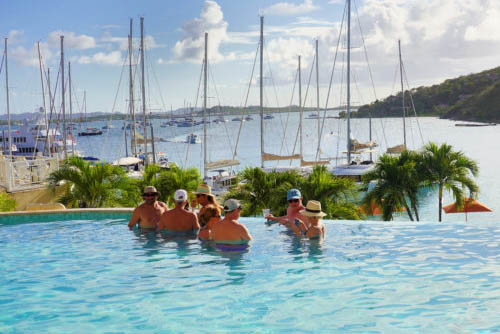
(15, 36)
(287, 8)
(101, 58)
(29, 57)
(191, 47)
(71, 40)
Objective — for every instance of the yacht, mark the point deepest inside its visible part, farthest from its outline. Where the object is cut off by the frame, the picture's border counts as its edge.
(31, 139)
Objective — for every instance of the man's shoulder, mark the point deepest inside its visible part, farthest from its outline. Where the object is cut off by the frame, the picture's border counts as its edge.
(140, 206)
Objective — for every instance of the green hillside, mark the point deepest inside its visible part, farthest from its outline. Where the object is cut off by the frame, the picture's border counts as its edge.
(473, 97)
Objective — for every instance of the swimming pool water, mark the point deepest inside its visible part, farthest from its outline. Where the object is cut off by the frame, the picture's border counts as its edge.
(96, 276)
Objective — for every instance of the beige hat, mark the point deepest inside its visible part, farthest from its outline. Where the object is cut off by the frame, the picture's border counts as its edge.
(204, 189)
(231, 204)
(150, 190)
(313, 209)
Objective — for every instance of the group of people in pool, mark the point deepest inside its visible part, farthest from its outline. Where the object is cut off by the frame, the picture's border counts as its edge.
(207, 222)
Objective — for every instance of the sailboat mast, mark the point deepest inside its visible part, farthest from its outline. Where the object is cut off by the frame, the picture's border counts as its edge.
(144, 94)
(205, 61)
(133, 143)
(317, 95)
(261, 91)
(51, 105)
(348, 81)
(8, 102)
(62, 95)
(46, 145)
(300, 109)
(71, 108)
(402, 93)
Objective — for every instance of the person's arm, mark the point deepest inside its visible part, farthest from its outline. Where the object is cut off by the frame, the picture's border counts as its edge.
(245, 235)
(159, 225)
(134, 219)
(298, 229)
(195, 224)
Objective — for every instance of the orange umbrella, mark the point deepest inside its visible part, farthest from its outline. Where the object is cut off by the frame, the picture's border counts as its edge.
(470, 205)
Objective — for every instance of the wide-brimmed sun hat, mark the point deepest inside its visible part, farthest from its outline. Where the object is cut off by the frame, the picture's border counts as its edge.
(150, 190)
(231, 204)
(204, 189)
(293, 194)
(313, 209)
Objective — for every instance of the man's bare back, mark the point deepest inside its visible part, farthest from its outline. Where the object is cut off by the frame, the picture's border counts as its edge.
(179, 220)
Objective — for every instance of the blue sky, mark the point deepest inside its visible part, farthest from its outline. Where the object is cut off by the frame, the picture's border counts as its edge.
(441, 39)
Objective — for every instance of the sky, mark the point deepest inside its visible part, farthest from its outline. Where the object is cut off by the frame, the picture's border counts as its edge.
(440, 39)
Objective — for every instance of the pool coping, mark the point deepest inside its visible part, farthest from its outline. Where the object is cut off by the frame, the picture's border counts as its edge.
(48, 212)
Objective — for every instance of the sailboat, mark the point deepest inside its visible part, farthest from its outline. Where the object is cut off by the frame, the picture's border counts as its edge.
(398, 149)
(221, 182)
(353, 169)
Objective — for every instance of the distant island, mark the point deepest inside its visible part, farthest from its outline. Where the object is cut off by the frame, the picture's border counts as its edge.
(473, 97)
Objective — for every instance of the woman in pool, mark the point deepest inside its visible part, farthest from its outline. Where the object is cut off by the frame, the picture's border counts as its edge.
(204, 197)
(208, 219)
(228, 234)
(313, 228)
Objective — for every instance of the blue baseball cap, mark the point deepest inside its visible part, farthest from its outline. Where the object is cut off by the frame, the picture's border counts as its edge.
(293, 194)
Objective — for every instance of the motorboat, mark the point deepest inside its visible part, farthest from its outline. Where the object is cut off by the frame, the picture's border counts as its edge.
(90, 132)
(193, 139)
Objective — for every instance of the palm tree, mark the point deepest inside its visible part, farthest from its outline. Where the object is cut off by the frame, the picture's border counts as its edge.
(396, 185)
(92, 186)
(451, 171)
(337, 195)
(262, 190)
(168, 181)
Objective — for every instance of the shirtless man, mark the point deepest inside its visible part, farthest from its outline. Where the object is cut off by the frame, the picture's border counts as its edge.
(294, 198)
(148, 214)
(228, 230)
(179, 219)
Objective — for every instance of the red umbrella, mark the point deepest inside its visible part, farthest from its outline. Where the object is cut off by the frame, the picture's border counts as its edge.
(470, 205)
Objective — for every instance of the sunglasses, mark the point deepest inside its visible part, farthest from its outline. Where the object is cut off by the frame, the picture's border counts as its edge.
(199, 195)
(293, 200)
(149, 195)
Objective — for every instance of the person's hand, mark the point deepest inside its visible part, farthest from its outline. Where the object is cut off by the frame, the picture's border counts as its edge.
(284, 221)
(269, 216)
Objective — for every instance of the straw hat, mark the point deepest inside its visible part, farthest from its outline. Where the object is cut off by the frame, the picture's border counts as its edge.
(204, 189)
(313, 209)
(150, 190)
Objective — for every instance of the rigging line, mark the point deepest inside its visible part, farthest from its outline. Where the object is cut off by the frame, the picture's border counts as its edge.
(303, 106)
(1, 64)
(369, 67)
(246, 101)
(283, 142)
(195, 105)
(331, 80)
(104, 146)
(163, 103)
(412, 104)
(212, 76)
(275, 91)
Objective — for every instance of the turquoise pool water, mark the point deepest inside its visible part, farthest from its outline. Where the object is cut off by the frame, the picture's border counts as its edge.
(93, 275)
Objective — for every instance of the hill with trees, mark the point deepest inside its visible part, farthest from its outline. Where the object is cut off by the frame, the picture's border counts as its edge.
(473, 97)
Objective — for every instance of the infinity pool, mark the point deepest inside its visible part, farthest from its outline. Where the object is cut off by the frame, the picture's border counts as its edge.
(93, 275)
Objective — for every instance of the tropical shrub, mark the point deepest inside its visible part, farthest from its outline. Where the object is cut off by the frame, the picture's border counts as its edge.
(93, 186)
(7, 203)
